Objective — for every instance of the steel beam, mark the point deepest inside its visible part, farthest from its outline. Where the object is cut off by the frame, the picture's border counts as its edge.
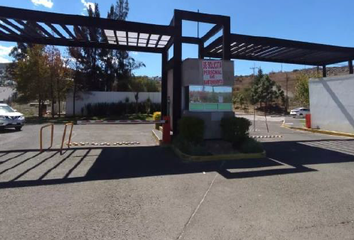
(72, 43)
(164, 75)
(211, 32)
(67, 19)
(350, 65)
(324, 71)
(177, 73)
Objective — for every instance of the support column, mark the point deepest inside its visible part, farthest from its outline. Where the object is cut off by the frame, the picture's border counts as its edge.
(324, 71)
(351, 70)
(164, 84)
(226, 39)
(177, 74)
(201, 50)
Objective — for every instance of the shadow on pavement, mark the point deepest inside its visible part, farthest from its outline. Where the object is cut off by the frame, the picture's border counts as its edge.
(133, 162)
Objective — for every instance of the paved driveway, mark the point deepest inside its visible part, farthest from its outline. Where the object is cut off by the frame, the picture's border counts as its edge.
(303, 190)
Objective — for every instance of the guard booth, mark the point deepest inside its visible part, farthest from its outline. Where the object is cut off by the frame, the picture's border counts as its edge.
(206, 92)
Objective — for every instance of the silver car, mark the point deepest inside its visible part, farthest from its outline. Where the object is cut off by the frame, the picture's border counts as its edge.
(10, 118)
(299, 112)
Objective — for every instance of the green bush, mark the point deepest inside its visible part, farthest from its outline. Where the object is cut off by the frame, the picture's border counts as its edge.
(191, 129)
(235, 130)
(251, 145)
(189, 148)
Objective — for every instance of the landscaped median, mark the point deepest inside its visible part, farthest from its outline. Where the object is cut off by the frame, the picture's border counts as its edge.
(313, 130)
(218, 157)
(235, 143)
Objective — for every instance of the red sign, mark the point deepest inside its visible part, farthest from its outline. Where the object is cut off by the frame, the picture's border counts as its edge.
(212, 73)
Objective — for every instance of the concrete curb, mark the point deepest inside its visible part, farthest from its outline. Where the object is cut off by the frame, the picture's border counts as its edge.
(236, 156)
(333, 133)
(157, 138)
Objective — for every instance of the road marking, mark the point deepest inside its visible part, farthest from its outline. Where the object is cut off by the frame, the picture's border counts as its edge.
(266, 136)
(200, 203)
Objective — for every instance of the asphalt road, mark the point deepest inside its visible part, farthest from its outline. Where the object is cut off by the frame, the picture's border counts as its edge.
(303, 190)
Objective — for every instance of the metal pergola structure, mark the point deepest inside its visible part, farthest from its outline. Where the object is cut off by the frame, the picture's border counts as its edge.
(67, 30)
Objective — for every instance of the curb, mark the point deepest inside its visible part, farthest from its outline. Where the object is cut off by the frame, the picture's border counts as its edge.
(333, 133)
(157, 138)
(237, 156)
(266, 136)
(86, 122)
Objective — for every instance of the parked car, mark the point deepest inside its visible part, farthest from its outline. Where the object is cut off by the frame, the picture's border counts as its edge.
(10, 118)
(299, 112)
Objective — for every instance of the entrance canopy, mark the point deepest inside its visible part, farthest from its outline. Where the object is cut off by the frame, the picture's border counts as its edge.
(67, 30)
(280, 50)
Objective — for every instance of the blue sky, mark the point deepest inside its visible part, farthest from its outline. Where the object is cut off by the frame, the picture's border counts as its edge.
(320, 21)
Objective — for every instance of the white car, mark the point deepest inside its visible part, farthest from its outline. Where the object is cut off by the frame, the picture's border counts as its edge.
(299, 112)
(10, 118)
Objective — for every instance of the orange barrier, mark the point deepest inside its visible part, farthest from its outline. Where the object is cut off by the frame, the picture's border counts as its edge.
(166, 130)
(41, 136)
(308, 120)
(64, 135)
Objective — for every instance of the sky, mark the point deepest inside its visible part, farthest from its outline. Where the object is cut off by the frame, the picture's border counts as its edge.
(319, 21)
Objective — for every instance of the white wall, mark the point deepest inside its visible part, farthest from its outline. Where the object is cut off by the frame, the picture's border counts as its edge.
(332, 103)
(106, 97)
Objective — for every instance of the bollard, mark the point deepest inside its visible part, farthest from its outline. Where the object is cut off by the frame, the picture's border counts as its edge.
(166, 130)
(308, 120)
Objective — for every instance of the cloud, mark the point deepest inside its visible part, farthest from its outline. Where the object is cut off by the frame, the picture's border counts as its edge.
(4, 60)
(5, 51)
(4, 54)
(88, 5)
(45, 3)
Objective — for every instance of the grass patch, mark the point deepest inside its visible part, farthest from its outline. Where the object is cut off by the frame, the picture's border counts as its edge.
(251, 145)
(189, 148)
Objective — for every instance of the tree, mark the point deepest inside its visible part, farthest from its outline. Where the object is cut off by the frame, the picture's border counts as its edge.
(20, 51)
(242, 97)
(59, 75)
(32, 74)
(137, 86)
(265, 91)
(104, 68)
(118, 62)
(88, 58)
(150, 85)
(302, 92)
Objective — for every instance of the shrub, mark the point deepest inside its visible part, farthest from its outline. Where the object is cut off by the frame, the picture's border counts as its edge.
(191, 129)
(190, 148)
(251, 145)
(235, 130)
(157, 116)
(118, 109)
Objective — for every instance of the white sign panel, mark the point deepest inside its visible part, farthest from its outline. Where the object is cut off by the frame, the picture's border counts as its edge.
(212, 73)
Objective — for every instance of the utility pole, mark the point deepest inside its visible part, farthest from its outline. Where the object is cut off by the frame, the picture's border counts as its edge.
(254, 69)
(287, 96)
(198, 27)
(254, 108)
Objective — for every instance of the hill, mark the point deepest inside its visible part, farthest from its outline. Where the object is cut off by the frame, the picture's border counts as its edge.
(281, 78)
